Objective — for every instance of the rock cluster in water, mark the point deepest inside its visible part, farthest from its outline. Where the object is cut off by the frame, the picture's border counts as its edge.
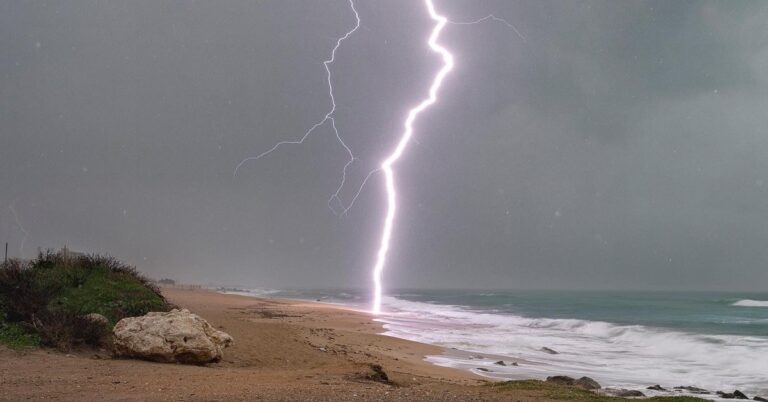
(732, 395)
(583, 382)
(550, 351)
(592, 385)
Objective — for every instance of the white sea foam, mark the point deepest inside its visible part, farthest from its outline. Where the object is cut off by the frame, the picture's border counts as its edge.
(751, 303)
(251, 292)
(630, 356)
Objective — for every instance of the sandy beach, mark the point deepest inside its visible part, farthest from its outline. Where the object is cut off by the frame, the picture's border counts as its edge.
(284, 350)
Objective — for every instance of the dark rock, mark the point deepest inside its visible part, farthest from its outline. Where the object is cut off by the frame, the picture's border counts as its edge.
(694, 390)
(561, 380)
(514, 363)
(630, 393)
(623, 393)
(587, 383)
(732, 395)
(501, 363)
(550, 351)
(657, 387)
(760, 398)
(483, 369)
(377, 374)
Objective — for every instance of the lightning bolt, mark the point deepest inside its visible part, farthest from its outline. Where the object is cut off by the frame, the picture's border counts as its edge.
(21, 227)
(491, 17)
(389, 162)
(328, 117)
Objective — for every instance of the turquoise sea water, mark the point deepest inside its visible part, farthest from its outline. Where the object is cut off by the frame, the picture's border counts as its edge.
(699, 312)
(711, 340)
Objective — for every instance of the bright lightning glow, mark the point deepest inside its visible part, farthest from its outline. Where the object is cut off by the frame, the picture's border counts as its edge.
(489, 17)
(386, 166)
(328, 117)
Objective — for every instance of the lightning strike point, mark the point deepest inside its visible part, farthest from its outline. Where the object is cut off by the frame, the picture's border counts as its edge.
(389, 162)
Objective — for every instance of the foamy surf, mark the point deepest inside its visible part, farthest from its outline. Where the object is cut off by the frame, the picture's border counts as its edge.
(703, 340)
(751, 303)
(627, 356)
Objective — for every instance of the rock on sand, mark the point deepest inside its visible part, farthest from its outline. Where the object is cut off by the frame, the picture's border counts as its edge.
(174, 337)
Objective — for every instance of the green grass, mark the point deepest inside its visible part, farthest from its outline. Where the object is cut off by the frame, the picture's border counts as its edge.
(114, 296)
(44, 301)
(554, 391)
(16, 337)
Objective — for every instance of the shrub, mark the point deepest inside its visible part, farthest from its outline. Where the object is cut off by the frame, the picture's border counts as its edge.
(15, 335)
(49, 296)
(61, 329)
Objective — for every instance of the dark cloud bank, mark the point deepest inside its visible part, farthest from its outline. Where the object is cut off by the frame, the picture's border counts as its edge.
(621, 145)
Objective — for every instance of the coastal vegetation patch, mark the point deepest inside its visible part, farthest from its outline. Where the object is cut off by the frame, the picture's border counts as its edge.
(63, 300)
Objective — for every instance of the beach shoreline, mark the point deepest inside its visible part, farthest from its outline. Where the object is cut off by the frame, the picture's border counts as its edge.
(284, 350)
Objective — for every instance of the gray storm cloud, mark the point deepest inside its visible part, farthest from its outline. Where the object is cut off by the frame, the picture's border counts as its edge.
(621, 145)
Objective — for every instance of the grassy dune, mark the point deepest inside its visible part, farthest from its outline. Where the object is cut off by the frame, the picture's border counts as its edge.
(46, 301)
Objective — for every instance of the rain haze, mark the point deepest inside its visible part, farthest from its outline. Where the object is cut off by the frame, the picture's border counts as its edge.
(610, 145)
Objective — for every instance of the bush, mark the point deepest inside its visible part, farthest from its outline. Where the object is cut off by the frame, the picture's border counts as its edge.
(62, 330)
(15, 335)
(48, 298)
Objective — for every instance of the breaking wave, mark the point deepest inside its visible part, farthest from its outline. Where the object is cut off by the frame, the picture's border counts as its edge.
(751, 303)
(630, 356)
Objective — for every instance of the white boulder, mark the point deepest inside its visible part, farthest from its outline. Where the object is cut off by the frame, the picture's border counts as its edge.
(96, 319)
(174, 337)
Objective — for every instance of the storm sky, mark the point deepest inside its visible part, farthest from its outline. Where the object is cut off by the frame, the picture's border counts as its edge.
(621, 145)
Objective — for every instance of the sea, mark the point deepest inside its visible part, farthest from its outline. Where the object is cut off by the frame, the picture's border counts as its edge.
(622, 339)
